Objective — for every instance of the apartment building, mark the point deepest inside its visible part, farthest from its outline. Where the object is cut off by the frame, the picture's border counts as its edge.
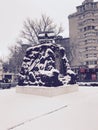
(83, 33)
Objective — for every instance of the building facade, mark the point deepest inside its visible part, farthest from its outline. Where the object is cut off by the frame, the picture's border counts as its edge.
(65, 42)
(83, 33)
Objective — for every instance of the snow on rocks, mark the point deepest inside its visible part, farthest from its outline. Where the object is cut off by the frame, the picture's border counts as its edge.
(43, 64)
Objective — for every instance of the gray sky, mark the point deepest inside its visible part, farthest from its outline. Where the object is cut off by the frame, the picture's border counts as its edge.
(14, 12)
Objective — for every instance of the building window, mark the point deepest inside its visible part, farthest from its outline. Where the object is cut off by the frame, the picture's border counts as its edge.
(81, 30)
(85, 41)
(89, 14)
(89, 28)
(90, 55)
(88, 21)
(90, 34)
(81, 17)
(90, 41)
(87, 63)
(86, 55)
(90, 48)
(80, 24)
(91, 62)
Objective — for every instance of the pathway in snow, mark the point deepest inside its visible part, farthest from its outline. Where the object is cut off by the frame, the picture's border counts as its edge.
(34, 118)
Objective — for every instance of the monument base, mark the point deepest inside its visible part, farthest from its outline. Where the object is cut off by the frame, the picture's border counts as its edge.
(46, 91)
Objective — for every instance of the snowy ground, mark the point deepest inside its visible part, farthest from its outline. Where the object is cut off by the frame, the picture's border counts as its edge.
(73, 111)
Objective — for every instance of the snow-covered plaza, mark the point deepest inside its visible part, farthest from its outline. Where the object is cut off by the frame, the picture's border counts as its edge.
(72, 111)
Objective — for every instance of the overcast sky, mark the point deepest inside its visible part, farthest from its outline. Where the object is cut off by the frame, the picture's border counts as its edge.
(14, 12)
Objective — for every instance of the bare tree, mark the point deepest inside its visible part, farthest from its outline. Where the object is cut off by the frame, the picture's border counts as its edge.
(32, 28)
(16, 57)
(29, 34)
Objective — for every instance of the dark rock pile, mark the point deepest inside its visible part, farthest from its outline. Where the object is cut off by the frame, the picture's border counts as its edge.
(43, 65)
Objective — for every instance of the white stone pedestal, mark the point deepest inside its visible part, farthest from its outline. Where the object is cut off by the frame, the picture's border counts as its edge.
(46, 91)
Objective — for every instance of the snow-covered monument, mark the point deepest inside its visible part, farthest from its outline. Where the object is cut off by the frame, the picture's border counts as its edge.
(45, 65)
